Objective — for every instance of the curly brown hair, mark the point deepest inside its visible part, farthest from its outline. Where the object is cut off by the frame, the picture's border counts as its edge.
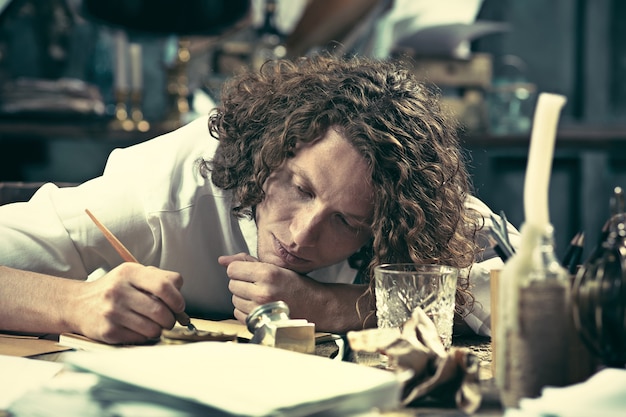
(396, 122)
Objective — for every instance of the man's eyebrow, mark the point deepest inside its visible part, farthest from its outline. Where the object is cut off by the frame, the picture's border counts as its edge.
(296, 171)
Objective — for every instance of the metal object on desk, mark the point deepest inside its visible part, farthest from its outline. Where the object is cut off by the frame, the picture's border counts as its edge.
(266, 313)
(270, 325)
(599, 291)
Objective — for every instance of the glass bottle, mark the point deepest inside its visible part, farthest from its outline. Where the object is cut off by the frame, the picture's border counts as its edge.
(535, 325)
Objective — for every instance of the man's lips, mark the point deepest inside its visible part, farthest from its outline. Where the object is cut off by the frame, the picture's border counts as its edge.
(287, 256)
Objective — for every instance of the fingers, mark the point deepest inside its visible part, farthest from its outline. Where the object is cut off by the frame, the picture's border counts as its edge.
(226, 260)
(162, 285)
(131, 304)
(254, 284)
(243, 308)
(124, 324)
(245, 268)
(241, 316)
(243, 304)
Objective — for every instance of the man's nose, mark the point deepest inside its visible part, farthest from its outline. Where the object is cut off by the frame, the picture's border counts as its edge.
(306, 227)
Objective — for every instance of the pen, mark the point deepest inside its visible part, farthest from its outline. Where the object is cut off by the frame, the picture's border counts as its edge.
(502, 253)
(572, 257)
(182, 318)
(500, 234)
(504, 228)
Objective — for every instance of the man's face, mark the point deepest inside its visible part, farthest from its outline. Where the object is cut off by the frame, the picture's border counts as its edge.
(318, 207)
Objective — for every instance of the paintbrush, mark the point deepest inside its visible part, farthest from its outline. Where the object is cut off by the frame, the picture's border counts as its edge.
(182, 318)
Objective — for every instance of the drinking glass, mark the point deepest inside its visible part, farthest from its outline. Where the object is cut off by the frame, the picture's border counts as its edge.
(400, 288)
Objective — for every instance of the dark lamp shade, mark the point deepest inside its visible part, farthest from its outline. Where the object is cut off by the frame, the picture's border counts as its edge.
(180, 17)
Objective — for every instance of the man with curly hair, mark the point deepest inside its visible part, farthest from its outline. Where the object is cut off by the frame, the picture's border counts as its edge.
(307, 175)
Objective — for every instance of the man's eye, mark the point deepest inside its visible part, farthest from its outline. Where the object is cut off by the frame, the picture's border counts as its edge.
(303, 192)
(347, 224)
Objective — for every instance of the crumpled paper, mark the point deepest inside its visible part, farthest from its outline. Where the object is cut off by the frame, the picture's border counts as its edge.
(446, 376)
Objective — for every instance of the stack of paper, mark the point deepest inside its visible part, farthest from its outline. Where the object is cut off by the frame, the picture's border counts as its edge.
(248, 379)
(19, 375)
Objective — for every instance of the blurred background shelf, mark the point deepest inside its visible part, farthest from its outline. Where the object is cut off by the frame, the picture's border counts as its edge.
(50, 130)
(570, 137)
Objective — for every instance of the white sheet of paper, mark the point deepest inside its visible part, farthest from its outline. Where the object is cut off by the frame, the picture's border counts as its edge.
(248, 379)
(603, 394)
(20, 375)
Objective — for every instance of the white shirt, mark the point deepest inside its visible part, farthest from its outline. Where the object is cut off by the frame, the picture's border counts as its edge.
(153, 198)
